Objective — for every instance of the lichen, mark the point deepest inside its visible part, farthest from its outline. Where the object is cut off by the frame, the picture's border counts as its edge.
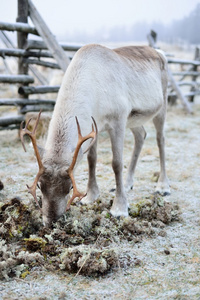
(88, 261)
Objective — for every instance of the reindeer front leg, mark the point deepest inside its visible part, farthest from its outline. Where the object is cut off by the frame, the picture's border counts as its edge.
(120, 205)
(92, 188)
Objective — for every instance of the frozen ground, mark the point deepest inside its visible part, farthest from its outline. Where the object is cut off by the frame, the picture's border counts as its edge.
(169, 265)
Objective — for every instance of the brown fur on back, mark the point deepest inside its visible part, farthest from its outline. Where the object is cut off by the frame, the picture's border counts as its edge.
(139, 53)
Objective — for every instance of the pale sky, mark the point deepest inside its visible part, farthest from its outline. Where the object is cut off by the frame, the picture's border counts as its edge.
(67, 16)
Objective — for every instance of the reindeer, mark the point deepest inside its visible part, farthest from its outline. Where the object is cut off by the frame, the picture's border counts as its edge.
(119, 88)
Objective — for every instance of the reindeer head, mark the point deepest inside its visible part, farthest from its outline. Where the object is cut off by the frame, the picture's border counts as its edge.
(56, 180)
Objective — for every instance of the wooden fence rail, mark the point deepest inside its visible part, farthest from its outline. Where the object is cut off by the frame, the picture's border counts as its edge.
(21, 27)
(186, 73)
(183, 61)
(29, 90)
(40, 45)
(42, 63)
(24, 53)
(12, 122)
(16, 79)
(22, 102)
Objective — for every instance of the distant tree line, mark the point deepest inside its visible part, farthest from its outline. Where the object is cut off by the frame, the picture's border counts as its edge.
(186, 29)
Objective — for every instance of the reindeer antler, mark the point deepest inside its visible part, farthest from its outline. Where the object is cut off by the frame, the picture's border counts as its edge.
(81, 140)
(32, 135)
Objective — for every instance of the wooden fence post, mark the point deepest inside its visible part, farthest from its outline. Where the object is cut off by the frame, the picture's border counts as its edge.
(22, 36)
(22, 39)
(194, 68)
(179, 93)
(152, 39)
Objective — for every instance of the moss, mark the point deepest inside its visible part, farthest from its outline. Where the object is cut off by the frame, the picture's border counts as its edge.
(24, 274)
(107, 216)
(134, 210)
(20, 230)
(82, 226)
(35, 243)
(10, 234)
(17, 220)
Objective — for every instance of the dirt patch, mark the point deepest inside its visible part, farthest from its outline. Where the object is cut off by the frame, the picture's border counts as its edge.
(80, 241)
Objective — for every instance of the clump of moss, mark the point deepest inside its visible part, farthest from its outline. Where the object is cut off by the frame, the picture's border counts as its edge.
(35, 243)
(17, 221)
(155, 208)
(67, 245)
(83, 224)
(13, 263)
(132, 228)
(160, 210)
(88, 261)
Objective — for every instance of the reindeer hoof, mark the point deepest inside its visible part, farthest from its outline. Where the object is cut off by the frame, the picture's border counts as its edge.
(91, 197)
(117, 212)
(163, 189)
(86, 201)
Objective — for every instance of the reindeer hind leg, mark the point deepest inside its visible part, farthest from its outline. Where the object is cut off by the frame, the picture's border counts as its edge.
(163, 184)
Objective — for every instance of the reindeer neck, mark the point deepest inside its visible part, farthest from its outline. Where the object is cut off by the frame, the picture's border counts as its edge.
(63, 135)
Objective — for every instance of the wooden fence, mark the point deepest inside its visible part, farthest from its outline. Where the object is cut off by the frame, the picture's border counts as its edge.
(47, 52)
(31, 53)
(177, 78)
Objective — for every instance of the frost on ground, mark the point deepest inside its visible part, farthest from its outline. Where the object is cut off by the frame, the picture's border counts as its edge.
(88, 254)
